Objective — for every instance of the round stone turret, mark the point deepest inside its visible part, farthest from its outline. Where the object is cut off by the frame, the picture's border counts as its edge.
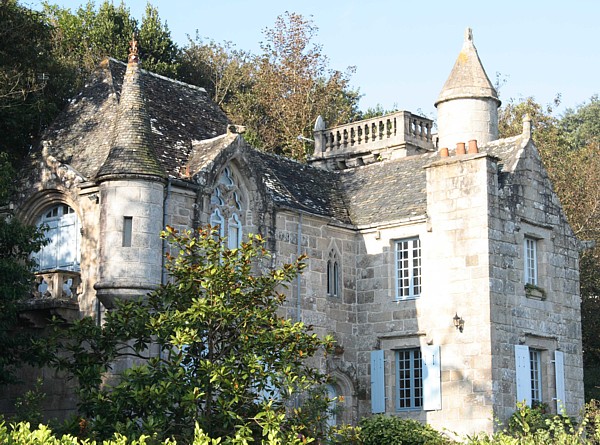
(468, 104)
(131, 186)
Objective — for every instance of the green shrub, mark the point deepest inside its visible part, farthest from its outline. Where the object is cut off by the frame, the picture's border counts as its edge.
(391, 430)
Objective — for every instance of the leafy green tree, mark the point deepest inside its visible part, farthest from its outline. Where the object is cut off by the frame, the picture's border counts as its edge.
(223, 70)
(17, 243)
(33, 84)
(158, 52)
(210, 347)
(85, 37)
(291, 86)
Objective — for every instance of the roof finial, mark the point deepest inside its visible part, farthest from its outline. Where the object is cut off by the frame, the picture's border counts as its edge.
(468, 35)
(133, 50)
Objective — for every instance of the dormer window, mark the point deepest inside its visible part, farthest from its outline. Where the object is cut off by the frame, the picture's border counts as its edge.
(62, 229)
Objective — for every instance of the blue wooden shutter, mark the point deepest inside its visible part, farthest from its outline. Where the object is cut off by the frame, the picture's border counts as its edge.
(559, 372)
(432, 378)
(523, 368)
(377, 382)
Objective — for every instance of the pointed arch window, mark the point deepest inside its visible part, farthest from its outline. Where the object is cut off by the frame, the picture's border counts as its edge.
(217, 221)
(62, 229)
(333, 274)
(234, 234)
(228, 207)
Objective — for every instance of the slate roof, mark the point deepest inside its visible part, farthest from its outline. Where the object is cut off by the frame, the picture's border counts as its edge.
(131, 152)
(189, 131)
(386, 191)
(179, 114)
(379, 193)
(302, 187)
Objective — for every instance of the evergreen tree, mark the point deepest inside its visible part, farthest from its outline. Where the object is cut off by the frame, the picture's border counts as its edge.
(222, 356)
(17, 243)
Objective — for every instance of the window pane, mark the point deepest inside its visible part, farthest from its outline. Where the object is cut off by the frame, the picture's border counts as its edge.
(530, 257)
(409, 379)
(408, 268)
(535, 360)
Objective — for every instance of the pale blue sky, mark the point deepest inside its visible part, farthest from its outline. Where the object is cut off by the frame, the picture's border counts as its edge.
(404, 50)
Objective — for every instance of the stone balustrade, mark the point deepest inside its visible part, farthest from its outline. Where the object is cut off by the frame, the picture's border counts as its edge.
(382, 132)
(56, 284)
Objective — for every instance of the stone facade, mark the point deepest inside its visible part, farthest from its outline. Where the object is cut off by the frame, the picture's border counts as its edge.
(435, 271)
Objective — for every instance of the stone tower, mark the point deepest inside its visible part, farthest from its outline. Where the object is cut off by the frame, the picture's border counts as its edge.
(131, 185)
(468, 103)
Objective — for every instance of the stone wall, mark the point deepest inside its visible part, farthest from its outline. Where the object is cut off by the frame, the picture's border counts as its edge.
(549, 320)
(461, 120)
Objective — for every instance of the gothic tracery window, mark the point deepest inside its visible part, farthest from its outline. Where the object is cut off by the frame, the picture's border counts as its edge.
(226, 208)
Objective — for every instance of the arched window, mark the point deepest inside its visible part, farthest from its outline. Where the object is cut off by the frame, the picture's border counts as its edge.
(227, 208)
(333, 275)
(64, 239)
(217, 220)
(234, 234)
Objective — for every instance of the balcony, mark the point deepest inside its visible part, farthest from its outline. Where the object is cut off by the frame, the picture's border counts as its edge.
(54, 294)
(359, 143)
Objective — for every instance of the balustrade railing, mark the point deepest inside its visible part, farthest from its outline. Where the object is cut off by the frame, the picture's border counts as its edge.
(379, 132)
(56, 284)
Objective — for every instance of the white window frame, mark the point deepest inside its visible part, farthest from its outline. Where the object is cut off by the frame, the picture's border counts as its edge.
(409, 272)
(234, 232)
(535, 363)
(63, 231)
(531, 385)
(530, 260)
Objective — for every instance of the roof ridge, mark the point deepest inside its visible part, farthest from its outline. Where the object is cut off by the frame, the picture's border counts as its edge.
(159, 76)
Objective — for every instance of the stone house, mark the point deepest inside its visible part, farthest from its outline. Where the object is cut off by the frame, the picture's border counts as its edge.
(448, 274)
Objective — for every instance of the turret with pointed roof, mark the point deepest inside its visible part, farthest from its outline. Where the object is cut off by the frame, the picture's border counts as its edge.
(468, 103)
(131, 152)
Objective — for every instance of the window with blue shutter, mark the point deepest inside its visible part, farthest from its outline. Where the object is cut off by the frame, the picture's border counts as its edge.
(377, 382)
(432, 378)
(559, 373)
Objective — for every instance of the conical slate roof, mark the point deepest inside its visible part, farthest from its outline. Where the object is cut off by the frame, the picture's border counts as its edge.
(467, 78)
(131, 152)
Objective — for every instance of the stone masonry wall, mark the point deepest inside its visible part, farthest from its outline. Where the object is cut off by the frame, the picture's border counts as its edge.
(461, 120)
(527, 206)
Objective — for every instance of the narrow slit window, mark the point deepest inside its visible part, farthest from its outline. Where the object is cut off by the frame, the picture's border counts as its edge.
(127, 230)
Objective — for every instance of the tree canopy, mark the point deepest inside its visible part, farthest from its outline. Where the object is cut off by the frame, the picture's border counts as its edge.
(210, 347)
(17, 242)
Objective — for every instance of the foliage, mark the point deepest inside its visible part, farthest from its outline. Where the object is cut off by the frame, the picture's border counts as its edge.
(28, 407)
(22, 434)
(553, 430)
(209, 346)
(221, 69)
(33, 83)
(85, 37)
(392, 430)
(290, 87)
(17, 242)
(158, 52)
